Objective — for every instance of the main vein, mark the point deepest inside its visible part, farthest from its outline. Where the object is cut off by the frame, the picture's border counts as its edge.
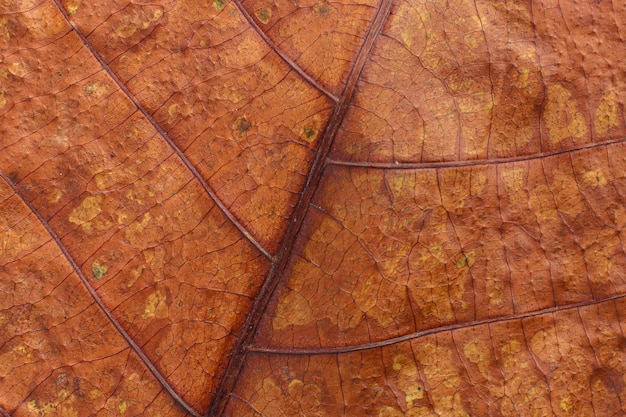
(279, 265)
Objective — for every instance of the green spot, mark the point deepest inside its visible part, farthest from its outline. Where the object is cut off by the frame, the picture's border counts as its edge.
(466, 260)
(309, 132)
(242, 125)
(264, 16)
(322, 10)
(98, 270)
(219, 5)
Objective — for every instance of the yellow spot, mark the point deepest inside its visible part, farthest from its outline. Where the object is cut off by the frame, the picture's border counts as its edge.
(95, 394)
(606, 115)
(126, 31)
(388, 411)
(437, 252)
(594, 178)
(32, 406)
(567, 404)
(72, 9)
(132, 196)
(172, 110)
(523, 77)
(156, 15)
(22, 349)
(407, 38)
(495, 291)
(18, 69)
(155, 306)
(123, 406)
(87, 211)
(135, 273)
(55, 197)
(294, 386)
(562, 116)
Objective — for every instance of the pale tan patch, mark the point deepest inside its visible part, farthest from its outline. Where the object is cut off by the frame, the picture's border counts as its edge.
(607, 113)
(408, 22)
(88, 210)
(44, 22)
(293, 310)
(540, 201)
(134, 275)
(443, 378)
(567, 194)
(544, 345)
(478, 353)
(514, 179)
(55, 196)
(562, 116)
(118, 108)
(155, 306)
(249, 50)
(408, 378)
(436, 292)
(126, 30)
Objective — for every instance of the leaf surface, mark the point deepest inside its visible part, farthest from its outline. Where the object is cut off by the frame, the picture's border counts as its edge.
(312, 208)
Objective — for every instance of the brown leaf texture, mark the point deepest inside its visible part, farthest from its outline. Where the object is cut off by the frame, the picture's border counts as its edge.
(312, 208)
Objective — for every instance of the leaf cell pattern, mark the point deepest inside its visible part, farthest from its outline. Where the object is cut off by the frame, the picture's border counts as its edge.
(312, 208)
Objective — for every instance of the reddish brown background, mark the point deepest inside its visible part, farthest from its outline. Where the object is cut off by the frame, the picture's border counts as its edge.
(312, 208)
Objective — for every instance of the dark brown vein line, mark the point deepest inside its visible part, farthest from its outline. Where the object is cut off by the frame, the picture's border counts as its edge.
(418, 335)
(166, 137)
(270, 43)
(3, 413)
(236, 361)
(473, 162)
(133, 345)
